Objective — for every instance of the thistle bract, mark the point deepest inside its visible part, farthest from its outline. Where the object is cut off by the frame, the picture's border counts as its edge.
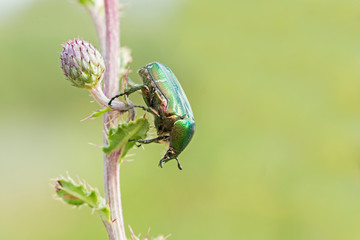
(82, 64)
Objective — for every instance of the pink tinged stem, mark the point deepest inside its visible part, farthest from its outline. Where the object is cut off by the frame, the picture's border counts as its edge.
(103, 100)
(112, 61)
(99, 22)
(115, 229)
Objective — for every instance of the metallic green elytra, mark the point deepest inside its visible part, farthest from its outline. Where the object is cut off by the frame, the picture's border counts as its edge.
(165, 98)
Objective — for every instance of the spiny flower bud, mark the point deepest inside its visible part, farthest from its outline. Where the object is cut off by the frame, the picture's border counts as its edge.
(82, 64)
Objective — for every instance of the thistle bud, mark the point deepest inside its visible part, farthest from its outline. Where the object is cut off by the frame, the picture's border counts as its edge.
(82, 64)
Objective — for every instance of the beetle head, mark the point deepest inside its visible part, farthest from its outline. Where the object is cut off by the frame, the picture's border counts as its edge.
(170, 154)
(180, 136)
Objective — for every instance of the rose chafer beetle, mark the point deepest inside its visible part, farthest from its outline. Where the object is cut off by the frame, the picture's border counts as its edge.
(165, 98)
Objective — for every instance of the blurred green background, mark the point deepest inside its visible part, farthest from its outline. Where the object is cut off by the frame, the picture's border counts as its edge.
(274, 86)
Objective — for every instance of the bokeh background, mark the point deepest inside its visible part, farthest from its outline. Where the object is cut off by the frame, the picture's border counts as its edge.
(275, 89)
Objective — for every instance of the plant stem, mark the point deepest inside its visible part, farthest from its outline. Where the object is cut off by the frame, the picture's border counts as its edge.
(116, 230)
(112, 56)
(112, 192)
(99, 22)
(103, 100)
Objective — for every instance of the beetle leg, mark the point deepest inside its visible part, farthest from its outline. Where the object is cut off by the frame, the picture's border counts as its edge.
(161, 163)
(150, 110)
(127, 92)
(179, 165)
(157, 139)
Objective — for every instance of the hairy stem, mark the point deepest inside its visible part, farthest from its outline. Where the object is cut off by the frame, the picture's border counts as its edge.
(112, 61)
(116, 230)
(99, 22)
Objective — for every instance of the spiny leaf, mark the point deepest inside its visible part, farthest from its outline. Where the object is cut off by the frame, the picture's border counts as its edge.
(134, 237)
(119, 137)
(78, 194)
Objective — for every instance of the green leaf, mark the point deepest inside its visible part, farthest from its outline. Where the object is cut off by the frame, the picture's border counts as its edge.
(78, 194)
(119, 137)
(97, 113)
(101, 112)
(86, 2)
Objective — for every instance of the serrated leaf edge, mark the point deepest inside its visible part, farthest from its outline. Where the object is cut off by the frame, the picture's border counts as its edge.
(100, 207)
(122, 142)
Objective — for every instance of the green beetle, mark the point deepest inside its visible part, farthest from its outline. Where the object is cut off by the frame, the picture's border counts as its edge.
(165, 98)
